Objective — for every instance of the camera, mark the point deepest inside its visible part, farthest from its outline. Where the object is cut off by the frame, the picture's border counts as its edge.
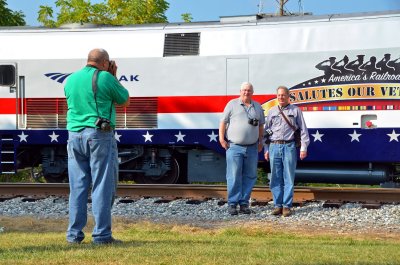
(103, 124)
(110, 66)
(253, 122)
(268, 134)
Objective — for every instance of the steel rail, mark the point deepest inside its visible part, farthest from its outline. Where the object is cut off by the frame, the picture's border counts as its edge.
(202, 192)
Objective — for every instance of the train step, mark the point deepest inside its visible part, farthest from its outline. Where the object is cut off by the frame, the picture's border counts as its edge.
(7, 155)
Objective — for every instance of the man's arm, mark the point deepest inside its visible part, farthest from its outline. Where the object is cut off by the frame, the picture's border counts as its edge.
(222, 141)
(112, 69)
(125, 104)
(260, 137)
(305, 138)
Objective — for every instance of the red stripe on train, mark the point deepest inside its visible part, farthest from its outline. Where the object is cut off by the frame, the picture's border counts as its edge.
(171, 104)
(8, 106)
(196, 104)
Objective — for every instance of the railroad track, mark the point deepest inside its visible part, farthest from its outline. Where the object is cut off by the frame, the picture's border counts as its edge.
(202, 192)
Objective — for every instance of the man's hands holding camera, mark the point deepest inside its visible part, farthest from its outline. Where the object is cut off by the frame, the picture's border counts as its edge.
(112, 68)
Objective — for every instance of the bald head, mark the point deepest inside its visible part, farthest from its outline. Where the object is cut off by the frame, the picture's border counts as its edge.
(98, 56)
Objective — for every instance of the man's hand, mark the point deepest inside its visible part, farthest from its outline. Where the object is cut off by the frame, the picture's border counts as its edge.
(303, 154)
(266, 156)
(112, 69)
(224, 144)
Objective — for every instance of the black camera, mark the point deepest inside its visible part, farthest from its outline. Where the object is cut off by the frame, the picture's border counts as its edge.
(103, 124)
(253, 122)
(111, 66)
(268, 134)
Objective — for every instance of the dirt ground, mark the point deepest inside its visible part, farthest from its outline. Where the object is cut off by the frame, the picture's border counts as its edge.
(32, 224)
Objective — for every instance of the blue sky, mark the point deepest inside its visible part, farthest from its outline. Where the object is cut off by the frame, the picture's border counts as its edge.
(211, 10)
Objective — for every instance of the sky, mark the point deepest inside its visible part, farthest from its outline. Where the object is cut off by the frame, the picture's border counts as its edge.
(212, 10)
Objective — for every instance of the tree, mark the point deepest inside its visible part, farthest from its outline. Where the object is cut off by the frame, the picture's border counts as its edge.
(187, 17)
(111, 12)
(9, 17)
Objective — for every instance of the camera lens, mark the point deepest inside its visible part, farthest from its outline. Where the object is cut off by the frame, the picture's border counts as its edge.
(253, 122)
(105, 126)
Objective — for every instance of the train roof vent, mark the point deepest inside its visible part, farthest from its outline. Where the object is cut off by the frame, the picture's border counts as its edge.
(181, 44)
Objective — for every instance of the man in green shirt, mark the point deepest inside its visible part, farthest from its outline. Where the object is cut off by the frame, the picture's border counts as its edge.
(92, 149)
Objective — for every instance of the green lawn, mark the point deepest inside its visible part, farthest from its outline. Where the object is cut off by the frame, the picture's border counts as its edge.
(146, 243)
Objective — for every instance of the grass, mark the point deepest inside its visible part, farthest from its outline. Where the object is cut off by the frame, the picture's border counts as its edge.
(23, 175)
(33, 241)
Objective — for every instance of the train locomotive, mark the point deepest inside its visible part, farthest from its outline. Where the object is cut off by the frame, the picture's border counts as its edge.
(343, 71)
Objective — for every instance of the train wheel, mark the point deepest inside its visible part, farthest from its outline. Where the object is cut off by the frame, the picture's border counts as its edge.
(170, 177)
(56, 178)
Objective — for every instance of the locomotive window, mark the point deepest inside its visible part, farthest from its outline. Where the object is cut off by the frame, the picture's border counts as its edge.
(180, 44)
(7, 75)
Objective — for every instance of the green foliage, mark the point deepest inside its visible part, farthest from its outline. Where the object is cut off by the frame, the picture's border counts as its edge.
(23, 176)
(262, 176)
(9, 17)
(45, 13)
(187, 17)
(110, 12)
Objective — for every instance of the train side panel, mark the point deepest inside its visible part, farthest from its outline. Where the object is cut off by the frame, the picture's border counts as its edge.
(179, 90)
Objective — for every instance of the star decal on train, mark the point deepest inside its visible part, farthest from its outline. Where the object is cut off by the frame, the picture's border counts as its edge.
(213, 136)
(317, 136)
(22, 137)
(117, 136)
(179, 137)
(54, 137)
(147, 136)
(354, 136)
(393, 136)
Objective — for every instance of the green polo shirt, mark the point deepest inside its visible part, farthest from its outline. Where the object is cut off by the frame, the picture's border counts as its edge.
(80, 98)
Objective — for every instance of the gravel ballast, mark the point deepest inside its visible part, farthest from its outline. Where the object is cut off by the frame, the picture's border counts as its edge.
(213, 213)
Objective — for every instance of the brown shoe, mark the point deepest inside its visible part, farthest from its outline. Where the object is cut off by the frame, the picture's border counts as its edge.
(287, 212)
(277, 211)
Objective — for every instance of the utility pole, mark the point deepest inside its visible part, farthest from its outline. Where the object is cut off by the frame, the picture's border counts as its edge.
(260, 6)
(281, 7)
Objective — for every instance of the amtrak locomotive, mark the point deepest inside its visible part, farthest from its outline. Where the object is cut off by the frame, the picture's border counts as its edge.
(343, 71)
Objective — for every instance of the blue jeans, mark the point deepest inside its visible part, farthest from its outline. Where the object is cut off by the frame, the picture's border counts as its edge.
(283, 161)
(92, 163)
(241, 172)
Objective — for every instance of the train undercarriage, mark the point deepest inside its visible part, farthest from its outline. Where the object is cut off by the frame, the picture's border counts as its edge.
(170, 165)
(152, 165)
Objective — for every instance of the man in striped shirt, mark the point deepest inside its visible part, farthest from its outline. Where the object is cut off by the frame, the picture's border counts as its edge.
(280, 149)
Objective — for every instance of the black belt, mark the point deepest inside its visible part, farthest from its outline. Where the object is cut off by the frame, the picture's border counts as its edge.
(282, 142)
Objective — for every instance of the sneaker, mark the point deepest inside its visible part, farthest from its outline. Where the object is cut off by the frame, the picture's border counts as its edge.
(232, 210)
(287, 212)
(277, 211)
(111, 241)
(244, 209)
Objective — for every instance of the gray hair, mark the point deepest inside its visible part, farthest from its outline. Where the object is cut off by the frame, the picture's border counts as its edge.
(245, 84)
